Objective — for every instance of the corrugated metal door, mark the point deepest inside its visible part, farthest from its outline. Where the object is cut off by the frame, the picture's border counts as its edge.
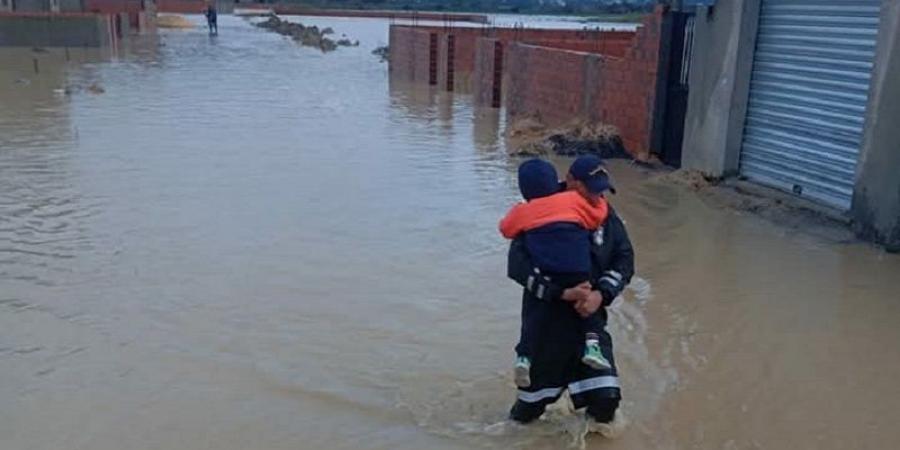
(808, 96)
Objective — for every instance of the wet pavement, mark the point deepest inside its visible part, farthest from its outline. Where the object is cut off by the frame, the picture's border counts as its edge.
(243, 243)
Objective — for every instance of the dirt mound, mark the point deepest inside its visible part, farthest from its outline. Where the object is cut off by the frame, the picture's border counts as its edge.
(529, 136)
(173, 21)
(307, 36)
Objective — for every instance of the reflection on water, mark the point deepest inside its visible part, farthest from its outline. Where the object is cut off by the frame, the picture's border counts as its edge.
(243, 243)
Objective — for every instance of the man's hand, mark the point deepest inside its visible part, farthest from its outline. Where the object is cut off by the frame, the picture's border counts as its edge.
(590, 304)
(578, 293)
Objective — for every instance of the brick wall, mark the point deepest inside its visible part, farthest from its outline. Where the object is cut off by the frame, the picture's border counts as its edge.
(466, 38)
(300, 10)
(547, 82)
(181, 6)
(628, 88)
(605, 76)
(483, 80)
(410, 54)
(559, 85)
(113, 6)
(610, 47)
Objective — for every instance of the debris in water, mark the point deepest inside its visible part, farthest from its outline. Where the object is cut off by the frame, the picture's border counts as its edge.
(347, 43)
(96, 89)
(383, 52)
(781, 209)
(693, 179)
(24, 81)
(529, 136)
(306, 36)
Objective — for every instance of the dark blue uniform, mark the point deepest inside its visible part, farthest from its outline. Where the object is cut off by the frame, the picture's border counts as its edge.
(556, 356)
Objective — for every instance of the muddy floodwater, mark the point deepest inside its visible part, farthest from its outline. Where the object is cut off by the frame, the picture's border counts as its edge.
(241, 243)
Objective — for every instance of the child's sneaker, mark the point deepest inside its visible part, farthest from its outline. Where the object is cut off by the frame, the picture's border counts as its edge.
(522, 372)
(593, 357)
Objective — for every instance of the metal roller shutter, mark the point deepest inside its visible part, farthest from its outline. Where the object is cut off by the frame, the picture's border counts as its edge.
(808, 95)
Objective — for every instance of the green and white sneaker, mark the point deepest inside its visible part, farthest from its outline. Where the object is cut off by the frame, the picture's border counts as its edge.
(593, 357)
(522, 372)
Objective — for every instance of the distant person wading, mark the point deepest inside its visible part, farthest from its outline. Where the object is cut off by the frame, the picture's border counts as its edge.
(211, 18)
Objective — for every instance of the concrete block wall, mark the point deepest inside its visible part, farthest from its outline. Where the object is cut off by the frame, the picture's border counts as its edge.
(32, 5)
(56, 30)
(70, 6)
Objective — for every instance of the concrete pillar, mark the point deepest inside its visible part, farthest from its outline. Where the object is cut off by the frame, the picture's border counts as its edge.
(876, 198)
(721, 66)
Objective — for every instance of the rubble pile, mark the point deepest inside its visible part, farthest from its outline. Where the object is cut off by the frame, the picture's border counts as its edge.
(310, 36)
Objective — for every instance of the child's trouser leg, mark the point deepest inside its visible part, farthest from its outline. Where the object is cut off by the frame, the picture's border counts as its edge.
(593, 357)
(529, 331)
(528, 335)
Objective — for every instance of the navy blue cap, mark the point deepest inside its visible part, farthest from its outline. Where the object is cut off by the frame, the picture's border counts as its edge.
(589, 169)
(537, 178)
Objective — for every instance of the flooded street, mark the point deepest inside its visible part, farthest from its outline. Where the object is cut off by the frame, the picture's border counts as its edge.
(247, 244)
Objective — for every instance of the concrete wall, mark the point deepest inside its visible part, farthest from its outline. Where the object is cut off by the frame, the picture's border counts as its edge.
(71, 6)
(876, 199)
(55, 30)
(724, 41)
(32, 5)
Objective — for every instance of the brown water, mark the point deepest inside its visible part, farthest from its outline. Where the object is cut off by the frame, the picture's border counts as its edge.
(245, 244)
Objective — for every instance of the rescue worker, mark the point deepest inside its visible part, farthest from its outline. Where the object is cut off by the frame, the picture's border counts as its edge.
(556, 363)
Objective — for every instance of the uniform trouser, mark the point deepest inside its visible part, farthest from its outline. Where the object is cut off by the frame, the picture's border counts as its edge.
(556, 368)
(532, 330)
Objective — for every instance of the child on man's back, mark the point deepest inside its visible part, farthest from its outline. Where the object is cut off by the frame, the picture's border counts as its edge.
(556, 229)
